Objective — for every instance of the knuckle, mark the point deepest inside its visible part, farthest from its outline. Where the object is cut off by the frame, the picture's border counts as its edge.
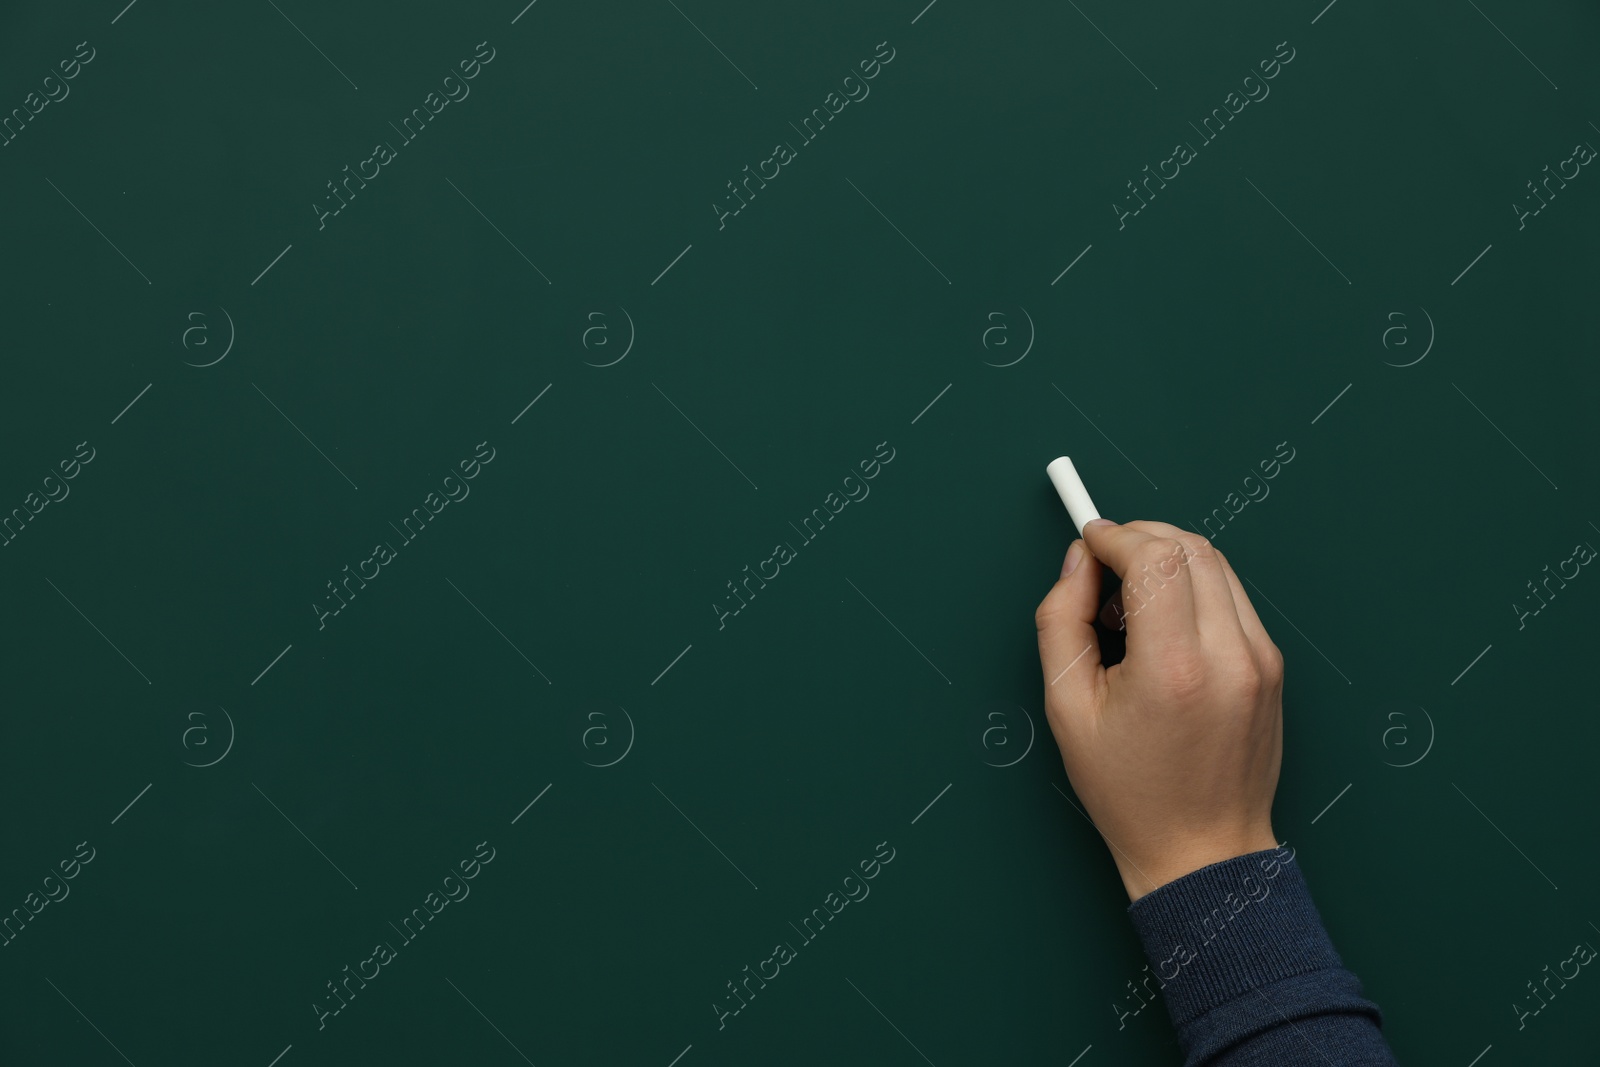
(1234, 678)
(1256, 673)
(1272, 664)
(1195, 546)
(1160, 554)
(1250, 680)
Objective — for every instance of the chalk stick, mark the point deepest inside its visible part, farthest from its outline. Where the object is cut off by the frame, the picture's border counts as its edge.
(1065, 478)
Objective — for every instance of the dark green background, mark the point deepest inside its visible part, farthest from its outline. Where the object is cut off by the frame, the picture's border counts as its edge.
(797, 338)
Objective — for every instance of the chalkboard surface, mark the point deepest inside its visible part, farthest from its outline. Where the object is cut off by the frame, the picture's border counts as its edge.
(521, 522)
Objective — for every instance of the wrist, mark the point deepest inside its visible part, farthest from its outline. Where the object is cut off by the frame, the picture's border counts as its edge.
(1145, 875)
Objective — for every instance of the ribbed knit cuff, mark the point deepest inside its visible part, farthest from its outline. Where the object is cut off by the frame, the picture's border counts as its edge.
(1221, 932)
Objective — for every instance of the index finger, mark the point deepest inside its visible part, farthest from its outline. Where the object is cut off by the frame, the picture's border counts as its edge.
(1157, 593)
(1217, 613)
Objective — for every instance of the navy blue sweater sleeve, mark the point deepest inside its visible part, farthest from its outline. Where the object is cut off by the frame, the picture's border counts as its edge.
(1249, 975)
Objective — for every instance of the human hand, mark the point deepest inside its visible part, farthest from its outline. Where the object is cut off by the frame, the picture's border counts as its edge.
(1174, 751)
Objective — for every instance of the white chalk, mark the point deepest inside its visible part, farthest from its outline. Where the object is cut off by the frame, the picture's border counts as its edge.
(1065, 478)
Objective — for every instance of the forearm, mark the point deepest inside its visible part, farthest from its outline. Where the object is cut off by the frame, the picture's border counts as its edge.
(1248, 972)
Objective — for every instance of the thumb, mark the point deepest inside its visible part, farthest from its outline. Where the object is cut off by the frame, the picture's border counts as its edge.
(1068, 648)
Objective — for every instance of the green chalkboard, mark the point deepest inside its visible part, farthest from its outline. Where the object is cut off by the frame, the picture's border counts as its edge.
(518, 517)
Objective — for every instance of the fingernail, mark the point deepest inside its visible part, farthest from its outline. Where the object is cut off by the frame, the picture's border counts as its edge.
(1099, 522)
(1074, 557)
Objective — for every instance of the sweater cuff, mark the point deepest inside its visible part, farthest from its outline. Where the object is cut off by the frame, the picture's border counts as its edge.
(1221, 932)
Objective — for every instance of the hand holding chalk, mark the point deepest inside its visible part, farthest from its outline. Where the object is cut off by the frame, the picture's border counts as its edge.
(1174, 751)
